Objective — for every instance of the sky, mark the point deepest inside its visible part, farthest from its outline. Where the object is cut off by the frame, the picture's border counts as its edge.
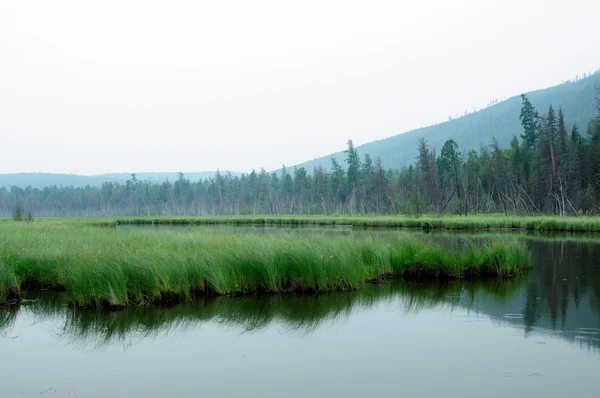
(138, 86)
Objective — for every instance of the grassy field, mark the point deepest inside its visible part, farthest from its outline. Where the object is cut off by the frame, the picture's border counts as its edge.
(428, 222)
(116, 268)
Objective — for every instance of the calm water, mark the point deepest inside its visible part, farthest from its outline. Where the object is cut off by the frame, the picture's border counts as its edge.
(537, 336)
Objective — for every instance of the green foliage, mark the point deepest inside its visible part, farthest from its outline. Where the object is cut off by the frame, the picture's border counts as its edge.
(108, 267)
(550, 172)
(478, 128)
(448, 161)
(18, 211)
(353, 160)
(529, 120)
(590, 198)
(415, 206)
(575, 136)
(9, 285)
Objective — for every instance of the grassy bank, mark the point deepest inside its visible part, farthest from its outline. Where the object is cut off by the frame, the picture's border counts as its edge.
(109, 267)
(476, 222)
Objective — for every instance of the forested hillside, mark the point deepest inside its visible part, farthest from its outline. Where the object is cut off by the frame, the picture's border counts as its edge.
(500, 120)
(552, 166)
(469, 132)
(537, 153)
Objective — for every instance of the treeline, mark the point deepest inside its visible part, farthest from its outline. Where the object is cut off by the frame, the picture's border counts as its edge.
(554, 168)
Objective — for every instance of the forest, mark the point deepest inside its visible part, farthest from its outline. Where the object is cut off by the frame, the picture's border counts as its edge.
(553, 167)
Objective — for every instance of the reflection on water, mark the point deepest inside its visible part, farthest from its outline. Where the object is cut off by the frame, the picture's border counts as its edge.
(497, 331)
(561, 295)
(296, 313)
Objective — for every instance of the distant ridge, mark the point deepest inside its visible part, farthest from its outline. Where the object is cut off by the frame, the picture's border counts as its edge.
(501, 120)
(471, 131)
(40, 180)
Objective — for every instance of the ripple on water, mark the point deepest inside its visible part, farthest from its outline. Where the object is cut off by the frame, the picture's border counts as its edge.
(586, 338)
(470, 318)
(535, 374)
(588, 331)
(513, 316)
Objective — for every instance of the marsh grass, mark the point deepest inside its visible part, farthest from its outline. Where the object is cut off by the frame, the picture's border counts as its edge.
(108, 267)
(9, 284)
(475, 222)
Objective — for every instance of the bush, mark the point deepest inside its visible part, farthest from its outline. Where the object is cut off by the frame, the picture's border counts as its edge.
(18, 212)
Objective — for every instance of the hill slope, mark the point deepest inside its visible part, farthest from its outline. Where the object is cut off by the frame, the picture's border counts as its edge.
(470, 131)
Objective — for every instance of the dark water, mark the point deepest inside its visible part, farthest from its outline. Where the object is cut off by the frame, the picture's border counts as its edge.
(537, 336)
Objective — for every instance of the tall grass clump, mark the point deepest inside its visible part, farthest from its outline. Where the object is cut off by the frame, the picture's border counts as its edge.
(115, 268)
(9, 284)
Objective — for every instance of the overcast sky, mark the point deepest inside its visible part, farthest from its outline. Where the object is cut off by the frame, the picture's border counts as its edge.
(91, 87)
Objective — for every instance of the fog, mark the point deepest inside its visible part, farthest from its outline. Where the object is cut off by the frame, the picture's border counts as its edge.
(132, 86)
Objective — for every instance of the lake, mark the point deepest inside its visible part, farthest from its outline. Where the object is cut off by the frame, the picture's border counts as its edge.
(534, 336)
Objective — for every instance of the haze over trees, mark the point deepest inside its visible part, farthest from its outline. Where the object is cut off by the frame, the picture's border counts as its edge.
(554, 168)
(41, 180)
(498, 119)
(550, 164)
(473, 127)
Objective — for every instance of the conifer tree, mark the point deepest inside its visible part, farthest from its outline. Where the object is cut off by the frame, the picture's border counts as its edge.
(529, 120)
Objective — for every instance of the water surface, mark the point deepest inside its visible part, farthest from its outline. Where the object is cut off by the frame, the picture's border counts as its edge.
(536, 336)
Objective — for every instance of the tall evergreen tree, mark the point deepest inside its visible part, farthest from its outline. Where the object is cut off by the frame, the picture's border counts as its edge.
(448, 168)
(561, 140)
(353, 182)
(575, 136)
(353, 160)
(529, 120)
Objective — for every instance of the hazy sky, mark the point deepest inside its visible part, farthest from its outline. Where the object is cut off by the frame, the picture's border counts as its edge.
(91, 87)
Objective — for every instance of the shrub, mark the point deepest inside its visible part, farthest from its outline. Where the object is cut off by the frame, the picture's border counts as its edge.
(18, 212)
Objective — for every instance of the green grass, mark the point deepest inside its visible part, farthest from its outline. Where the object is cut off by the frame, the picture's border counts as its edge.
(474, 222)
(110, 267)
(9, 284)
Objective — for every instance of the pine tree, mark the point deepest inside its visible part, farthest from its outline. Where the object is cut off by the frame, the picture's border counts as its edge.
(551, 132)
(575, 136)
(338, 192)
(448, 169)
(561, 140)
(353, 182)
(367, 182)
(380, 183)
(529, 120)
(423, 167)
(353, 160)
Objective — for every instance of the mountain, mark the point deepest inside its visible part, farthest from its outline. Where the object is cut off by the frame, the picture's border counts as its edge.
(473, 130)
(40, 180)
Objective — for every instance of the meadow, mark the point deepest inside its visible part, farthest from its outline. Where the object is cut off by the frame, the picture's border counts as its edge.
(109, 267)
